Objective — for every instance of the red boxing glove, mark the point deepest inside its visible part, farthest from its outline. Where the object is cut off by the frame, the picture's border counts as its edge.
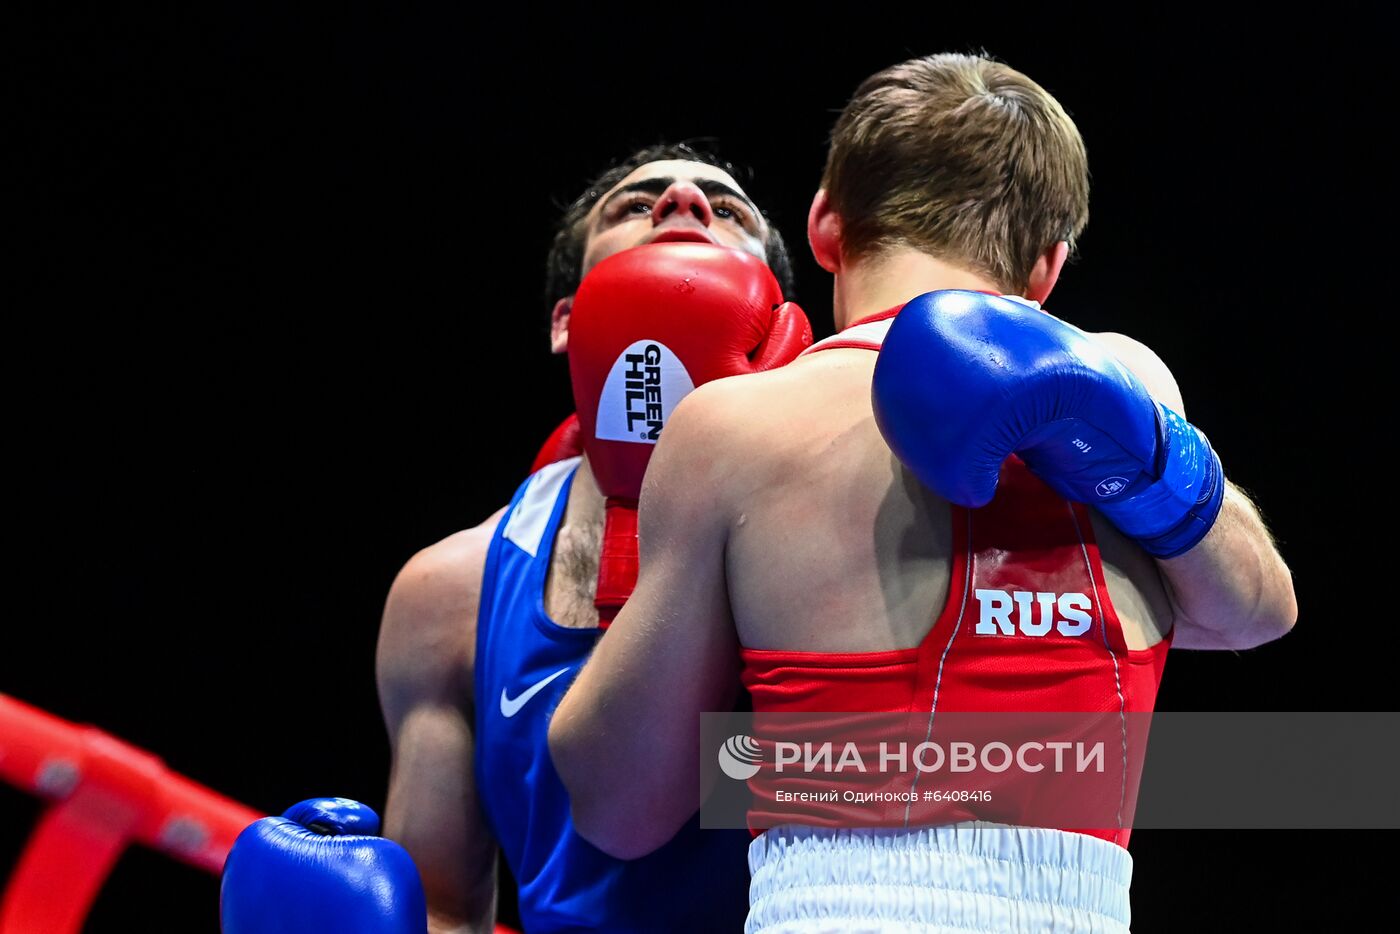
(647, 326)
(564, 442)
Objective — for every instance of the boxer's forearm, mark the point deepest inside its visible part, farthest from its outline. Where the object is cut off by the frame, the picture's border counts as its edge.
(625, 738)
(432, 811)
(1232, 590)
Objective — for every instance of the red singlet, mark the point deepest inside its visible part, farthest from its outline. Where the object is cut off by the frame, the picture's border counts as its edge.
(1027, 626)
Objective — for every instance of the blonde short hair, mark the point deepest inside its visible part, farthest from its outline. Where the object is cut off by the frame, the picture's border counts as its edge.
(961, 157)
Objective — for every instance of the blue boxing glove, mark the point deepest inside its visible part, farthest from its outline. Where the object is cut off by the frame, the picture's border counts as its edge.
(320, 868)
(965, 378)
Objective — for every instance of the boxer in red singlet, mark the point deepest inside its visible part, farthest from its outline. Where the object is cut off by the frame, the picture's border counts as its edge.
(784, 547)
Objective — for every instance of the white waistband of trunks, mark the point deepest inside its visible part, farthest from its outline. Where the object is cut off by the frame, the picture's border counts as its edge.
(969, 877)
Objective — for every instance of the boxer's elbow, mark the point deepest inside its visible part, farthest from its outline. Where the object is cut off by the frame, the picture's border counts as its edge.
(567, 751)
(1277, 612)
(615, 826)
(1260, 629)
(1274, 610)
(1268, 614)
(1273, 607)
(604, 810)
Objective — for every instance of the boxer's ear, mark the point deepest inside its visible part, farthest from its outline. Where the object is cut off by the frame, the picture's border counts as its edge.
(559, 325)
(1046, 272)
(824, 233)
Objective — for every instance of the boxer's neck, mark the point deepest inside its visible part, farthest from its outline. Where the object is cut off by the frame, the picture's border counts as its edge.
(586, 501)
(894, 277)
(572, 578)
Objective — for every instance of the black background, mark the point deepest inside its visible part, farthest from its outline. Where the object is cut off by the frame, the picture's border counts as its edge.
(288, 329)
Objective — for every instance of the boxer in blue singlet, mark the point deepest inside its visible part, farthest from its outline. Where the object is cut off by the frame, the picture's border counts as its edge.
(484, 631)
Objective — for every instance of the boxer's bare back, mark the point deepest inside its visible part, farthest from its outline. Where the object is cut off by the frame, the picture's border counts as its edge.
(868, 569)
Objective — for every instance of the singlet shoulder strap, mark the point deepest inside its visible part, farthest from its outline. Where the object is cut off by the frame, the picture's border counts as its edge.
(868, 333)
(536, 505)
(527, 524)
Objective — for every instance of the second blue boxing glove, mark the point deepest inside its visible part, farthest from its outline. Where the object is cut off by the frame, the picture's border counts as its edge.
(321, 867)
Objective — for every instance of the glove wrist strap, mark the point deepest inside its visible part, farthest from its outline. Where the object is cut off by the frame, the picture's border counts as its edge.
(617, 561)
(1173, 513)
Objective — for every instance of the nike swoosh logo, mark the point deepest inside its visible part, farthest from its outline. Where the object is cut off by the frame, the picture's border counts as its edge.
(510, 708)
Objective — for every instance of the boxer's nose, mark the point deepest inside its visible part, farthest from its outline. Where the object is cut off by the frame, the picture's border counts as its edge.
(684, 198)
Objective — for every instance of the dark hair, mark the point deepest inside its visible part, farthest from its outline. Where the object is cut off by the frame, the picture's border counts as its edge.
(563, 269)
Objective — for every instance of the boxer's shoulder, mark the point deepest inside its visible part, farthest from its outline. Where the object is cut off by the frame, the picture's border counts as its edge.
(705, 460)
(427, 639)
(760, 433)
(748, 407)
(1144, 364)
(734, 417)
(445, 577)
